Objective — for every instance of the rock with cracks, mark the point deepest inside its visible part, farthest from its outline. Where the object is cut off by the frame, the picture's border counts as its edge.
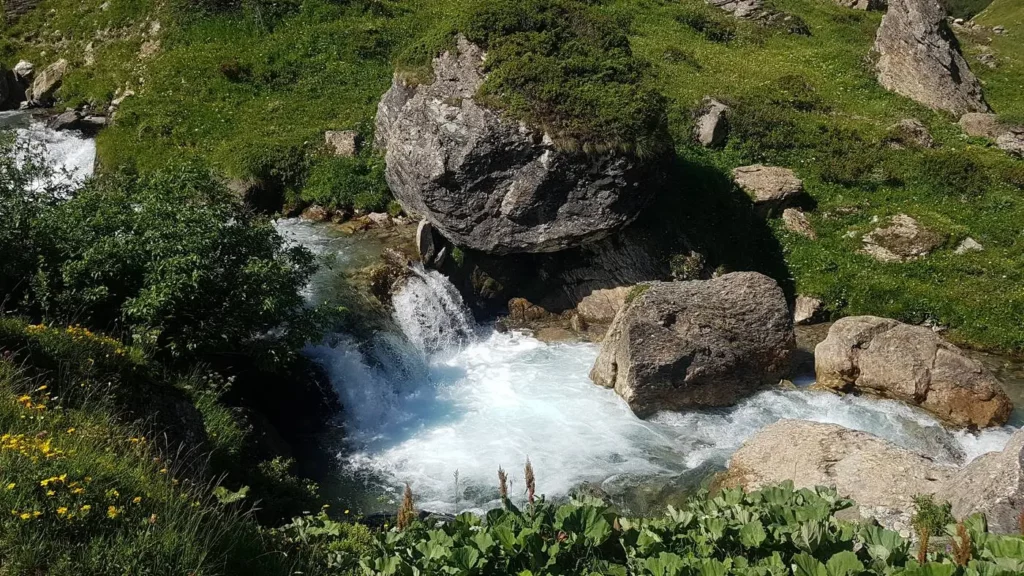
(495, 185)
(879, 476)
(903, 239)
(919, 57)
(711, 125)
(993, 484)
(887, 358)
(48, 81)
(696, 344)
(771, 188)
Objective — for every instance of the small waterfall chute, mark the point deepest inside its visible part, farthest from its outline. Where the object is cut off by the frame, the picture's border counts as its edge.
(431, 313)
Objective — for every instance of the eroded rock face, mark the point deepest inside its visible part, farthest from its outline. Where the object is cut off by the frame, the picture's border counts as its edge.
(919, 57)
(993, 484)
(493, 185)
(912, 364)
(901, 240)
(879, 476)
(697, 344)
(601, 306)
(771, 188)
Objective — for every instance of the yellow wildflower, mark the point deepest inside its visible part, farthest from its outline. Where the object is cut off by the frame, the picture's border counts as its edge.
(77, 490)
(62, 510)
(36, 513)
(41, 388)
(163, 470)
(137, 499)
(50, 493)
(112, 512)
(71, 430)
(11, 486)
(86, 508)
(24, 516)
(346, 511)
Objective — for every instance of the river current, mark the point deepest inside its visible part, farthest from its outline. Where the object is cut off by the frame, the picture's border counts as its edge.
(438, 402)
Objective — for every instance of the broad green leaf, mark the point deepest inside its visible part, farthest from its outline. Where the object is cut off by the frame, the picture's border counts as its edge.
(807, 565)
(752, 534)
(844, 564)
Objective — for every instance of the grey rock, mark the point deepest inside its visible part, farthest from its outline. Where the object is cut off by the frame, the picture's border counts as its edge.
(380, 219)
(797, 222)
(1012, 141)
(903, 239)
(863, 4)
(48, 82)
(770, 187)
(912, 364)
(918, 57)
(807, 310)
(343, 143)
(740, 8)
(910, 132)
(490, 184)
(24, 71)
(981, 125)
(712, 123)
(13, 9)
(697, 344)
(74, 120)
(992, 484)
(425, 241)
(988, 59)
(969, 245)
(1000, 30)
(879, 476)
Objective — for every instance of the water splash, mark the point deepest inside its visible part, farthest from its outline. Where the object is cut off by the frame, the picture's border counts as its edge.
(70, 154)
(431, 313)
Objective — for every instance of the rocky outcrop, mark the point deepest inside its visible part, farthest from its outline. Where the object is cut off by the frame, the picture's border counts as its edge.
(981, 125)
(88, 124)
(912, 364)
(1012, 141)
(771, 188)
(903, 239)
(16, 8)
(796, 221)
(919, 57)
(863, 4)
(344, 143)
(910, 133)
(807, 310)
(740, 8)
(601, 306)
(48, 81)
(879, 476)
(696, 344)
(711, 123)
(491, 184)
(993, 484)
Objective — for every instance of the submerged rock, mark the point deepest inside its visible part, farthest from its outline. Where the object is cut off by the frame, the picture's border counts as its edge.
(919, 57)
(912, 364)
(993, 484)
(491, 184)
(902, 240)
(879, 476)
(696, 344)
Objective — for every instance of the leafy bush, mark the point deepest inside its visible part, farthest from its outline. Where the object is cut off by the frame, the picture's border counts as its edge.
(715, 25)
(954, 172)
(773, 531)
(337, 183)
(172, 259)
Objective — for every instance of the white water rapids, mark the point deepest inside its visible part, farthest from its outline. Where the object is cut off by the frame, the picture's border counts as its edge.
(69, 154)
(442, 396)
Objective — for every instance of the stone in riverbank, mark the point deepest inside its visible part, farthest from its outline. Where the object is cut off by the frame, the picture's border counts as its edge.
(695, 344)
(879, 476)
(912, 364)
(494, 185)
(47, 82)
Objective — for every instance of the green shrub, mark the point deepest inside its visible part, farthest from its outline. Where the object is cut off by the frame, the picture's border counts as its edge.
(338, 183)
(172, 260)
(715, 25)
(956, 173)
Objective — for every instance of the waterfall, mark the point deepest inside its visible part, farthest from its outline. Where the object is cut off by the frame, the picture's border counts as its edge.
(431, 313)
(70, 154)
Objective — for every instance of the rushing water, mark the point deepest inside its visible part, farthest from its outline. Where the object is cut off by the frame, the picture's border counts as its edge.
(70, 154)
(438, 395)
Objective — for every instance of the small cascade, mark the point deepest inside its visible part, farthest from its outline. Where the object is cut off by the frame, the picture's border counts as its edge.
(69, 154)
(431, 313)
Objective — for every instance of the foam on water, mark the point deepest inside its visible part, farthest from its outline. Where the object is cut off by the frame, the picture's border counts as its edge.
(71, 155)
(442, 396)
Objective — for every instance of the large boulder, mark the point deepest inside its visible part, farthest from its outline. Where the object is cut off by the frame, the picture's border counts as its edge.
(48, 81)
(993, 484)
(602, 305)
(919, 57)
(711, 123)
(696, 344)
(879, 476)
(912, 364)
(492, 184)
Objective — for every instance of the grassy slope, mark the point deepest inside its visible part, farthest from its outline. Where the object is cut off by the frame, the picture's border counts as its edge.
(326, 67)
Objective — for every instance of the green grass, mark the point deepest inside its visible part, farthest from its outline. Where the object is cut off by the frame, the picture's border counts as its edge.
(252, 97)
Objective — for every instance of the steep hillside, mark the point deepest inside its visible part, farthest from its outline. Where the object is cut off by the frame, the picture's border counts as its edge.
(251, 89)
